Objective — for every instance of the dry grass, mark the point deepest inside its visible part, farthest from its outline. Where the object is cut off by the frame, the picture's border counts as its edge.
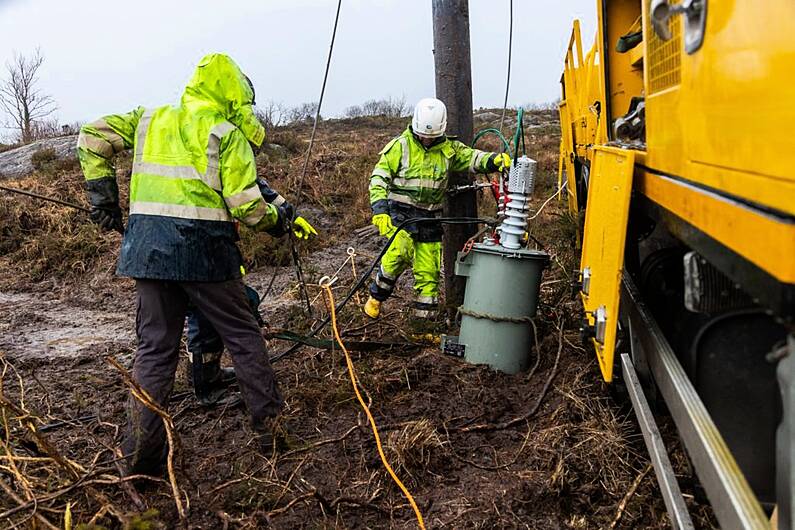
(414, 448)
(45, 242)
(575, 462)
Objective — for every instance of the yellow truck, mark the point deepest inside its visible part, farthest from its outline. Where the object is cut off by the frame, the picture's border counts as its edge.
(679, 159)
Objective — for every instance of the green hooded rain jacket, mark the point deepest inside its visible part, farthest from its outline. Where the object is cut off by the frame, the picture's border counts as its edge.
(193, 177)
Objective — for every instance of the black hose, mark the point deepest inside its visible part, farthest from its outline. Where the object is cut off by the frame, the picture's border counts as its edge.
(45, 198)
(366, 276)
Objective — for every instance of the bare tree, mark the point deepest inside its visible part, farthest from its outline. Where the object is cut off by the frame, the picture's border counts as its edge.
(354, 111)
(389, 107)
(21, 98)
(271, 114)
(305, 112)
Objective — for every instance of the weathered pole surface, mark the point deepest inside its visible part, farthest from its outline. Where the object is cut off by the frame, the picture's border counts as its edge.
(454, 87)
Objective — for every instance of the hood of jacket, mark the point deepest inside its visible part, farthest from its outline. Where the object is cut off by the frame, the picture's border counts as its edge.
(218, 83)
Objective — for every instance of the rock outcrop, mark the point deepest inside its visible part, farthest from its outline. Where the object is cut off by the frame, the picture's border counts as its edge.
(17, 162)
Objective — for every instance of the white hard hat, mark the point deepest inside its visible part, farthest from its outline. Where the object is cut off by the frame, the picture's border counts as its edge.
(430, 118)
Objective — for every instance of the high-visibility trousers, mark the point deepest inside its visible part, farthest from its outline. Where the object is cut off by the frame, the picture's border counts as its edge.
(425, 260)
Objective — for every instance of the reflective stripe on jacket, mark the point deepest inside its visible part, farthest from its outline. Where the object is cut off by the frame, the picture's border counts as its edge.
(193, 174)
(409, 173)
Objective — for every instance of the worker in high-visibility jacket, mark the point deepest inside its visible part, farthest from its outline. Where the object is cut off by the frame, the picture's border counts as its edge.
(409, 181)
(205, 344)
(193, 176)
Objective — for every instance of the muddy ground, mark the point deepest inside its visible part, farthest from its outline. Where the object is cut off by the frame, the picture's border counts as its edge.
(477, 449)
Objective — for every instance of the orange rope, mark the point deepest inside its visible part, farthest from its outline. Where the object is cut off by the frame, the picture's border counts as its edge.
(326, 285)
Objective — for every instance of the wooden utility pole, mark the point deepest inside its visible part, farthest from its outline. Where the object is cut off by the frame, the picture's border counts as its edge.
(454, 87)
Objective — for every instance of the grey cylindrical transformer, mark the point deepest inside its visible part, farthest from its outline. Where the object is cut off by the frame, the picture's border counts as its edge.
(501, 296)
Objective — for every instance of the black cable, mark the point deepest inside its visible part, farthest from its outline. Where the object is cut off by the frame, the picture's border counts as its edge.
(366, 276)
(508, 80)
(45, 198)
(299, 272)
(319, 104)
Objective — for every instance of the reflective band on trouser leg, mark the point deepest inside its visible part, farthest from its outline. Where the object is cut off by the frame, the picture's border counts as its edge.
(383, 281)
(422, 310)
(382, 286)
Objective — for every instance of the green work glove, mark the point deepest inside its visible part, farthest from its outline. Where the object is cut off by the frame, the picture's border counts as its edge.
(502, 161)
(302, 229)
(384, 224)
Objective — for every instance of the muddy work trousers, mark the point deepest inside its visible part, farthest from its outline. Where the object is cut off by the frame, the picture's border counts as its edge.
(161, 311)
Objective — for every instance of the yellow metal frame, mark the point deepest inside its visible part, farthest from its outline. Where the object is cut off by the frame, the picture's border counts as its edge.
(603, 243)
(581, 126)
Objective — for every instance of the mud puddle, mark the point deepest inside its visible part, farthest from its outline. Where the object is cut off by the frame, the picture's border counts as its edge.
(35, 326)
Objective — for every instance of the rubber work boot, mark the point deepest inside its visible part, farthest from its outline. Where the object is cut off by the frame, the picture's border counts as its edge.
(271, 437)
(211, 382)
(372, 308)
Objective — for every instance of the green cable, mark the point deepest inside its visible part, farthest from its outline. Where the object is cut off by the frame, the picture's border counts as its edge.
(517, 137)
(519, 134)
(496, 132)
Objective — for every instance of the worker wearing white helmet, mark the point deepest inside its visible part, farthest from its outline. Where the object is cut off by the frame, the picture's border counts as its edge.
(410, 180)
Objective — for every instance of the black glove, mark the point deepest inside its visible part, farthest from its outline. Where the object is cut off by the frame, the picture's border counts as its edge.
(108, 218)
(271, 196)
(103, 194)
(283, 223)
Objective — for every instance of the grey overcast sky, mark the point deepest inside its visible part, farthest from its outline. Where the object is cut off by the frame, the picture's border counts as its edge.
(108, 57)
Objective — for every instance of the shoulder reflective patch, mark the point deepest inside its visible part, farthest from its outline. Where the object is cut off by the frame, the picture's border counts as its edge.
(405, 156)
(140, 138)
(211, 176)
(388, 146)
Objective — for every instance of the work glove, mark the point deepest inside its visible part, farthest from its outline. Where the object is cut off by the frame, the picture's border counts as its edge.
(302, 229)
(108, 218)
(384, 224)
(502, 162)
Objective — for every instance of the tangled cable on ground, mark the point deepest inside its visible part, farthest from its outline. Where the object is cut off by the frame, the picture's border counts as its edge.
(364, 277)
(325, 283)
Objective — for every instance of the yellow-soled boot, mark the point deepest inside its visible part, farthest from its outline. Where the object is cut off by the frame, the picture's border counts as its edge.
(372, 308)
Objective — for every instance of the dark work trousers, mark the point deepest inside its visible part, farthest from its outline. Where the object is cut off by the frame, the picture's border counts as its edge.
(162, 306)
(204, 340)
